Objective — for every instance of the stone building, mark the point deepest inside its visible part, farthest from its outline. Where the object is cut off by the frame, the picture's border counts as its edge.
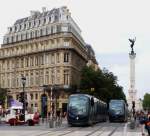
(48, 49)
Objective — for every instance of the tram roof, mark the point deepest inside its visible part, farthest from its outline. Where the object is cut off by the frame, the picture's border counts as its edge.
(117, 100)
(89, 96)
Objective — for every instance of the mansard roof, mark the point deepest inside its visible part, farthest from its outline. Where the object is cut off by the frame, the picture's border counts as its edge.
(37, 15)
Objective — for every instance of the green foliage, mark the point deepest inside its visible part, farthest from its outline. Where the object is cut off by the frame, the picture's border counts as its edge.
(3, 94)
(104, 84)
(146, 101)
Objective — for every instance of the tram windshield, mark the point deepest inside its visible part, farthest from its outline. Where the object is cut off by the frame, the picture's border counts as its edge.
(78, 105)
(116, 106)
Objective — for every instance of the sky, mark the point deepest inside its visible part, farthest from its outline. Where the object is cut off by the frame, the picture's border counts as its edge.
(106, 25)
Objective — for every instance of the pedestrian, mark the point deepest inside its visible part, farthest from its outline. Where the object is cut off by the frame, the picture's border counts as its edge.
(142, 120)
(147, 123)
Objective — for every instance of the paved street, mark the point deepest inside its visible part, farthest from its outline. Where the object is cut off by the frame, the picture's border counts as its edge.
(101, 129)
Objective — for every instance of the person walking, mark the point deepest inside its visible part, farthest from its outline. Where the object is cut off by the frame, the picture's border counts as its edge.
(147, 123)
(142, 120)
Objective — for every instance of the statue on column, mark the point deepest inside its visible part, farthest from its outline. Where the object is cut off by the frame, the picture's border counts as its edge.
(132, 41)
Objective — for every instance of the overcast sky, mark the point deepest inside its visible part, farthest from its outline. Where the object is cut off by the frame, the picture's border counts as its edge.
(106, 25)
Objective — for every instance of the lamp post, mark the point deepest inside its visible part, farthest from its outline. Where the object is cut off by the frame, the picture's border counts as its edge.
(44, 103)
(24, 102)
(51, 121)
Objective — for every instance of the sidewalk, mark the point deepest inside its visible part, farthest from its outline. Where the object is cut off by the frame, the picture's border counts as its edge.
(138, 128)
(45, 123)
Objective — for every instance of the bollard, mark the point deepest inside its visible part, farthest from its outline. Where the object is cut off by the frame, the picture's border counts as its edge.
(51, 123)
(132, 124)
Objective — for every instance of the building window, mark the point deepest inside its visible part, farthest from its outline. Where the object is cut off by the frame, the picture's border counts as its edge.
(27, 62)
(66, 77)
(36, 33)
(52, 29)
(58, 77)
(12, 39)
(29, 24)
(36, 60)
(32, 61)
(41, 32)
(44, 20)
(66, 44)
(58, 57)
(49, 19)
(21, 63)
(17, 84)
(47, 77)
(46, 58)
(27, 80)
(16, 38)
(58, 28)
(37, 78)
(31, 96)
(31, 35)
(41, 78)
(66, 57)
(17, 63)
(53, 58)
(56, 18)
(25, 26)
(36, 96)
(8, 65)
(31, 79)
(42, 60)
(17, 97)
(52, 76)
(36, 105)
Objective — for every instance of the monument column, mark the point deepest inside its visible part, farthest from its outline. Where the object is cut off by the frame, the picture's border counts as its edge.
(132, 91)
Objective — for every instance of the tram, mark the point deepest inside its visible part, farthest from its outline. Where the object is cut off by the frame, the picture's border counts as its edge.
(84, 109)
(118, 111)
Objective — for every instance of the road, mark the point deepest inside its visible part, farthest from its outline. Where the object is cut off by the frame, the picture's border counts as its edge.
(100, 129)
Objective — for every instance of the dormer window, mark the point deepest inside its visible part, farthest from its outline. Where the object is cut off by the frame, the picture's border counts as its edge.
(56, 18)
(29, 24)
(34, 23)
(25, 26)
(67, 17)
(10, 29)
(44, 20)
(49, 19)
(15, 28)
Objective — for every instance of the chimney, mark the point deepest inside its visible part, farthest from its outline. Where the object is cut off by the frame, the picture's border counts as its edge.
(43, 9)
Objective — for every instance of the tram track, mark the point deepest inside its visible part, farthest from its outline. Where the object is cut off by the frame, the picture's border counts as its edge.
(70, 130)
(83, 128)
(95, 130)
(53, 132)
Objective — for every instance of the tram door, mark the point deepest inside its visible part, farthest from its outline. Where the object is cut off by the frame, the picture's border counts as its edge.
(44, 106)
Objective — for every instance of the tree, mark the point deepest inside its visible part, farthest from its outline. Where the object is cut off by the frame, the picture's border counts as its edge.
(3, 95)
(101, 83)
(146, 101)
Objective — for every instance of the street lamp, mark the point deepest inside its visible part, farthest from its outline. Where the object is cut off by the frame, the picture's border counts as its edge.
(51, 121)
(24, 102)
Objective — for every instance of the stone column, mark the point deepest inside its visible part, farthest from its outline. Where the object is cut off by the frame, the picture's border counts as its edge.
(132, 90)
